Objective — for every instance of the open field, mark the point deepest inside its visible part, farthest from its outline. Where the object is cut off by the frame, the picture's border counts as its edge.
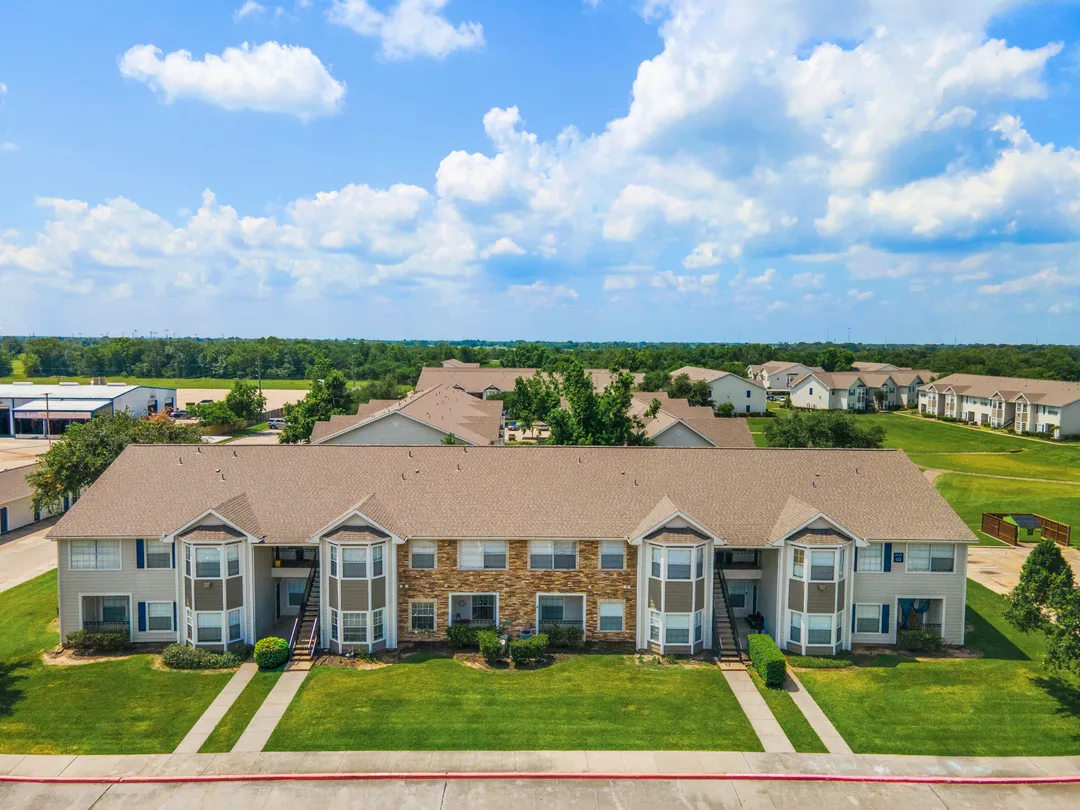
(1006, 704)
(594, 702)
(124, 706)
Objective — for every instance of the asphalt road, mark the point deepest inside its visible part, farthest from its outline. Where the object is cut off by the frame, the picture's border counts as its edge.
(25, 553)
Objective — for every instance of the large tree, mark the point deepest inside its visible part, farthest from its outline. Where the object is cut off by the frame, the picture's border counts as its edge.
(823, 429)
(1045, 580)
(245, 401)
(695, 392)
(85, 450)
(533, 399)
(328, 397)
(834, 359)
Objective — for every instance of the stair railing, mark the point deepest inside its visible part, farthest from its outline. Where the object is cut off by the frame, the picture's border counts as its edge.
(303, 609)
(727, 606)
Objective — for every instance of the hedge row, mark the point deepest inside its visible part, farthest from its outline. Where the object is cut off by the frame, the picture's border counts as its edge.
(181, 656)
(767, 660)
(83, 641)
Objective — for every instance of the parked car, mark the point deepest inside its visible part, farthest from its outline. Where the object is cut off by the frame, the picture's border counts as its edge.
(181, 413)
(275, 423)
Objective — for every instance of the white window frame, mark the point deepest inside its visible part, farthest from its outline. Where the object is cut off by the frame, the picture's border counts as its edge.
(378, 625)
(413, 615)
(611, 544)
(419, 547)
(689, 551)
(861, 607)
(822, 551)
(198, 627)
(699, 627)
(334, 561)
(363, 561)
(168, 614)
(217, 551)
(334, 624)
(97, 555)
(798, 566)
(551, 549)
(485, 548)
(863, 555)
(931, 549)
(656, 562)
(189, 625)
(239, 625)
(821, 618)
(795, 622)
(160, 550)
(450, 604)
(232, 555)
(667, 617)
(656, 624)
(610, 604)
(363, 625)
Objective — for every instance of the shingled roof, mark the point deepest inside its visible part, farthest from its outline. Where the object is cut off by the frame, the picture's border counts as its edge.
(533, 492)
(13, 484)
(478, 380)
(721, 432)
(1041, 392)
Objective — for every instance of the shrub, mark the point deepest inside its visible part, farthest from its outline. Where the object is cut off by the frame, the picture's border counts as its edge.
(575, 637)
(725, 409)
(921, 641)
(271, 652)
(557, 636)
(85, 642)
(818, 662)
(528, 650)
(181, 656)
(491, 646)
(461, 635)
(767, 660)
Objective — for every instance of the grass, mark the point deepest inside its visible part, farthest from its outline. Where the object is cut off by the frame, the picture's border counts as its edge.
(236, 719)
(248, 431)
(590, 702)
(970, 497)
(115, 707)
(794, 723)
(1006, 704)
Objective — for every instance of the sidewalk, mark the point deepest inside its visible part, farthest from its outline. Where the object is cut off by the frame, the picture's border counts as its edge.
(757, 711)
(821, 724)
(262, 725)
(205, 725)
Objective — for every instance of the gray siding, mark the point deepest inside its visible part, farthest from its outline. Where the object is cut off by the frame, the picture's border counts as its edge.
(679, 597)
(655, 591)
(699, 593)
(770, 558)
(354, 594)
(819, 650)
(208, 594)
(378, 645)
(677, 649)
(332, 592)
(821, 598)
(234, 592)
(795, 595)
(383, 431)
(265, 590)
(679, 435)
(187, 592)
(841, 589)
(378, 593)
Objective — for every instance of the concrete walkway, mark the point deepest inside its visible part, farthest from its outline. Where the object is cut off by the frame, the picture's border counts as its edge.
(821, 724)
(998, 567)
(757, 711)
(262, 725)
(216, 710)
(25, 553)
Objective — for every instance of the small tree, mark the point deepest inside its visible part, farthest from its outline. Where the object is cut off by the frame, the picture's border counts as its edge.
(823, 429)
(834, 359)
(725, 409)
(5, 364)
(245, 401)
(1046, 580)
(533, 400)
(328, 397)
(656, 380)
(695, 392)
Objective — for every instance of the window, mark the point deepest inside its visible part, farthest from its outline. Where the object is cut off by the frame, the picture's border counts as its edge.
(158, 555)
(95, 555)
(558, 555)
(159, 616)
(209, 626)
(296, 591)
(798, 558)
(795, 631)
(232, 559)
(333, 625)
(235, 630)
(868, 618)
(421, 616)
(699, 632)
(840, 566)
(482, 554)
(654, 626)
(678, 563)
(655, 554)
(354, 628)
(354, 563)
(699, 562)
(821, 566)
(333, 560)
(737, 589)
(677, 628)
(819, 630)
(839, 626)
(377, 561)
(611, 616)
(187, 561)
(870, 560)
(748, 393)
(938, 559)
(189, 624)
(551, 608)
(422, 554)
(208, 563)
(811, 390)
(483, 608)
(612, 555)
(377, 624)
(114, 609)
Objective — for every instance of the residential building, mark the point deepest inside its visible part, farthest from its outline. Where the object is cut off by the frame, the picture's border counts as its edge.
(857, 390)
(679, 424)
(17, 499)
(864, 365)
(424, 417)
(453, 362)
(745, 395)
(1037, 406)
(484, 382)
(213, 544)
(778, 375)
(25, 406)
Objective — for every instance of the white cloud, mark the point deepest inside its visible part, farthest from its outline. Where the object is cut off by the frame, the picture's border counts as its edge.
(267, 78)
(249, 8)
(1044, 280)
(860, 295)
(808, 281)
(542, 294)
(8, 146)
(503, 246)
(409, 28)
(685, 284)
(778, 306)
(745, 281)
(619, 282)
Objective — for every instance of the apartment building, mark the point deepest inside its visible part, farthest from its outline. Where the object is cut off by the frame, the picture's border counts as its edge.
(857, 390)
(1036, 406)
(744, 394)
(778, 375)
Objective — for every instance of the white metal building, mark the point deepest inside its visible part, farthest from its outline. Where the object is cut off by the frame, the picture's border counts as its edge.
(25, 406)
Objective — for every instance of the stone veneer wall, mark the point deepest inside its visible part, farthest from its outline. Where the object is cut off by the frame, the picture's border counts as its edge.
(517, 588)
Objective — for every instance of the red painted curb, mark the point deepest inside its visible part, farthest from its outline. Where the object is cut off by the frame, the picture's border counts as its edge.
(416, 776)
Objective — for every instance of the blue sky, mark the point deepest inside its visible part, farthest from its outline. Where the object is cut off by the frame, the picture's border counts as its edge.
(542, 169)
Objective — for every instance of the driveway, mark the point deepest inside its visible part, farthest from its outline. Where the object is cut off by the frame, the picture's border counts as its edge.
(14, 452)
(998, 567)
(25, 553)
(263, 437)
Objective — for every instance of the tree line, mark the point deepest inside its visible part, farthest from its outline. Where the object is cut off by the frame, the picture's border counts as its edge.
(279, 358)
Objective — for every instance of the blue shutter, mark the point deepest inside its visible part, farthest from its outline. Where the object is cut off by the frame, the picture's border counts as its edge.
(855, 567)
(140, 553)
(142, 617)
(884, 618)
(175, 617)
(3, 519)
(852, 618)
(174, 554)
(67, 502)
(886, 557)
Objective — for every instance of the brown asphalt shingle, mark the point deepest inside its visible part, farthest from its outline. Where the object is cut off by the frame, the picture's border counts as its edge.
(13, 485)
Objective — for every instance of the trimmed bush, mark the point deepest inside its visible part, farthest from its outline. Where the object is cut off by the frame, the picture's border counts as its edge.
(920, 641)
(491, 646)
(528, 650)
(767, 660)
(181, 656)
(271, 652)
(575, 637)
(818, 662)
(85, 642)
(558, 636)
(461, 635)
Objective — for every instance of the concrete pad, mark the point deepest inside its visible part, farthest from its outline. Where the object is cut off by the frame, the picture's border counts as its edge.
(274, 762)
(679, 762)
(757, 711)
(992, 766)
(821, 724)
(562, 761)
(39, 797)
(264, 722)
(1057, 766)
(233, 763)
(106, 765)
(321, 762)
(407, 761)
(9, 761)
(42, 765)
(363, 762)
(639, 762)
(605, 761)
(178, 765)
(785, 763)
(136, 797)
(707, 794)
(25, 553)
(203, 727)
(724, 761)
(487, 761)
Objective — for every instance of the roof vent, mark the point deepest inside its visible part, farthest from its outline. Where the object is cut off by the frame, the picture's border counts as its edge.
(181, 461)
(402, 476)
(198, 450)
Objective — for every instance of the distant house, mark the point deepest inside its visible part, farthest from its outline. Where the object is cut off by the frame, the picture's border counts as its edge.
(17, 499)
(453, 362)
(1036, 406)
(857, 390)
(424, 417)
(778, 375)
(863, 365)
(678, 424)
(484, 382)
(746, 395)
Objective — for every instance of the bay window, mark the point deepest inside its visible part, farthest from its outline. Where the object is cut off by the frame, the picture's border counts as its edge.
(795, 628)
(612, 555)
(236, 631)
(353, 563)
(656, 555)
(931, 557)
(377, 561)
(699, 626)
(677, 628)
(798, 560)
(209, 626)
(699, 562)
(678, 563)
(333, 560)
(232, 559)
(481, 554)
(208, 564)
(654, 626)
(354, 628)
(377, 624)
(553, 555)
(333, 625)
(819, 630)
(839, 627)
(822, 566)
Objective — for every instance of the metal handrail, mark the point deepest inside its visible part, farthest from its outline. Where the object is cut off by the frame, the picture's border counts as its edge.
(727, 606)
(311, 639)
(292, 634)
(303, 608)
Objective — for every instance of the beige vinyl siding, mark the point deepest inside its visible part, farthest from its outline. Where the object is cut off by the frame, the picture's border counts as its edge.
(144, 585)
(679, 435)
(770, 559)
(265, 606)
(378, 593)
(795, 595)
(733, 389)
(354, 594)
(886, 588)
(818, 400)
(821, 597)
(679, 597)
(208, 595)
(391, 429)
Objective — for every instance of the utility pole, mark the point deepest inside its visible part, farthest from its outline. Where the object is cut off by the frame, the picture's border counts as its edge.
(258, 368)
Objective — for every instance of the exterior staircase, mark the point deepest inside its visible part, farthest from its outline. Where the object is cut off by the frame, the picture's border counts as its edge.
(725, 642)
(305, 641)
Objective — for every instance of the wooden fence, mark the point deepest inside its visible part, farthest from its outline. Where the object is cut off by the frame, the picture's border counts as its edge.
(995, 525)
(1055, 530)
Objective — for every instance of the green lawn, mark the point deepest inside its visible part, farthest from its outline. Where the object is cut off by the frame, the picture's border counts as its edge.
(791, 719)
(970, 496)
(586, 702)
(1006, 704)
(248, 431)
(116, 707)
(236, 719)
